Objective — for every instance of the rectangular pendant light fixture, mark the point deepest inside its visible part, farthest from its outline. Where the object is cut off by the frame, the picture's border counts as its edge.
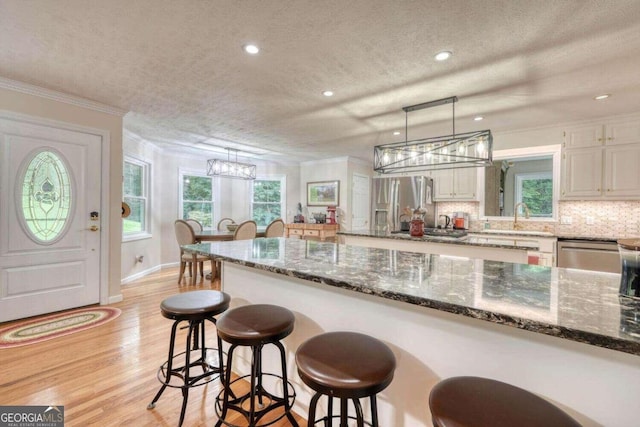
(463, 150)
(231, 169)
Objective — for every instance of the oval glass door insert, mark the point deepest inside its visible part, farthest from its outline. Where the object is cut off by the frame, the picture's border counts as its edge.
(46, 196)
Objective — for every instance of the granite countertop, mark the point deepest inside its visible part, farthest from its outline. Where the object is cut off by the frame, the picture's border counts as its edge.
(577, 305)
(475, 240)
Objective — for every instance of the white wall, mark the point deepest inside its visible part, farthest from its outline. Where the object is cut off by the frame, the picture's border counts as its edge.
(233, 201)
(237, 192)
(149, 248)
(161, 249)
(341, 169)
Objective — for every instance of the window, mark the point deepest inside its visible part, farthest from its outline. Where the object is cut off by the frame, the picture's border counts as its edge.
(196, 201)
(136, 195)
(538, 185)
(46, 196)
(536, 191)
(267, 200)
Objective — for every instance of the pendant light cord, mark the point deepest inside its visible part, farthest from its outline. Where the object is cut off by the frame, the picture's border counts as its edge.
(406, 127)
(453, 116)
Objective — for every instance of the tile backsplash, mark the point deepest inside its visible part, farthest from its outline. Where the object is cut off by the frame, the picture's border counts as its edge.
(606, 219)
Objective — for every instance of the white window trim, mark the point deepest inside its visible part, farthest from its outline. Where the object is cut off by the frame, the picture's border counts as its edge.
(541, 150)
(215, 192)
(283, 193)
(146, 185)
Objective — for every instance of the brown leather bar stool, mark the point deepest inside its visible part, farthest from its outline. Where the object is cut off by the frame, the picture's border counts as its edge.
(255, 326)
(482, 402)
(348, 366)
(179, 370)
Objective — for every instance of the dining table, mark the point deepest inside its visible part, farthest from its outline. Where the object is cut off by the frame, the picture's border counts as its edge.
(222, 235)
(219, 236)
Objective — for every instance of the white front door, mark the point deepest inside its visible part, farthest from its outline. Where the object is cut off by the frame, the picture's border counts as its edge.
(360, 202)
(49, 244)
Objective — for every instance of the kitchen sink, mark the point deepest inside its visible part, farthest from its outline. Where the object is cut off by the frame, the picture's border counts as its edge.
(528, 233)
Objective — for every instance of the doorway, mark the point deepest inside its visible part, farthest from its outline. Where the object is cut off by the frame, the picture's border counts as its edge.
(51, 217)
(360, 202)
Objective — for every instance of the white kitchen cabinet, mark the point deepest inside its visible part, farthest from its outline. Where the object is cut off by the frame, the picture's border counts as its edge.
(618, 133)
(611, 133)
(443, 184)
(583, 137)
(622, 171)
(456, 184)
(598, 173)
(601, 162)
(582, 173)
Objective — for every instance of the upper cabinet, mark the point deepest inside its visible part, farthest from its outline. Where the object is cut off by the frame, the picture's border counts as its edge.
(601, 162)
(455, 184)
(627, 132)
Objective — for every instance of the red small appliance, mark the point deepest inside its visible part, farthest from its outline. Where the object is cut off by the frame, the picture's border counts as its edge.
(331, 210)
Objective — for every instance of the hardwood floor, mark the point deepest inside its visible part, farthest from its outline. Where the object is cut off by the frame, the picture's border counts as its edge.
(106, 376)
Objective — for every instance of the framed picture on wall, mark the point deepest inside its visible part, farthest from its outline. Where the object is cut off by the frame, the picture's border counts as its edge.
(323, 193)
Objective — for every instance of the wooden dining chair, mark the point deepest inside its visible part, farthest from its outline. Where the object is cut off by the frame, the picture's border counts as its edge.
(186, 236)
(195, 224)
(246, 230)
(275, 228)
(222, 224)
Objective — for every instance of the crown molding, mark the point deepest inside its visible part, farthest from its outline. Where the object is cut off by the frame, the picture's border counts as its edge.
(30, 89)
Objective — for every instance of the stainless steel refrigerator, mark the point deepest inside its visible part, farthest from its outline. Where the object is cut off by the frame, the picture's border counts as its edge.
(391, 196)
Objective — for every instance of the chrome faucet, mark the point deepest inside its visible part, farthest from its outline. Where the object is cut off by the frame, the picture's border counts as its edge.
(517, 226)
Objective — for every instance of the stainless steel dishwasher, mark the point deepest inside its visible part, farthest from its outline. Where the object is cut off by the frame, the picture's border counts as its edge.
(589, 255)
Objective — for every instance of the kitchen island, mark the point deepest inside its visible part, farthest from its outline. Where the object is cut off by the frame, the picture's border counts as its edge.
(563, 334)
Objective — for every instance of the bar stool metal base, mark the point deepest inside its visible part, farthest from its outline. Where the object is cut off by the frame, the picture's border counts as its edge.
(181, 376)
(255, 404)
(327, 420)
(200, 366)
(207, 359)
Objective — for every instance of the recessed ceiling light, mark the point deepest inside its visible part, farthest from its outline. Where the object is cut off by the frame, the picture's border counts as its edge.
(478, 118)
(443, 56)
(327, 93)
(251, 49)
(396, 133)
(601, 97)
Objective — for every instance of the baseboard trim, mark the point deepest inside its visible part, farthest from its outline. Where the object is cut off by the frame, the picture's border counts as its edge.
(115, 299)
(147, 272)
(140, 275)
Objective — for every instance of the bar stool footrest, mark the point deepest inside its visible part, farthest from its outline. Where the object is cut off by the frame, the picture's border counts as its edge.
(325, 420)
(176, 379)
(241, 404)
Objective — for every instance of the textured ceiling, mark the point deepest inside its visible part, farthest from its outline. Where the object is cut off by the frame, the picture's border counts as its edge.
(177, 66)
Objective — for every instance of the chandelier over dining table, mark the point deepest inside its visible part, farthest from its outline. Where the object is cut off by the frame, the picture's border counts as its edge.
(469, 149)
(231, 168)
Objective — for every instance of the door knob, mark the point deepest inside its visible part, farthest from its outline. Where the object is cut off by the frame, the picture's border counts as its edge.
(93, 228)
